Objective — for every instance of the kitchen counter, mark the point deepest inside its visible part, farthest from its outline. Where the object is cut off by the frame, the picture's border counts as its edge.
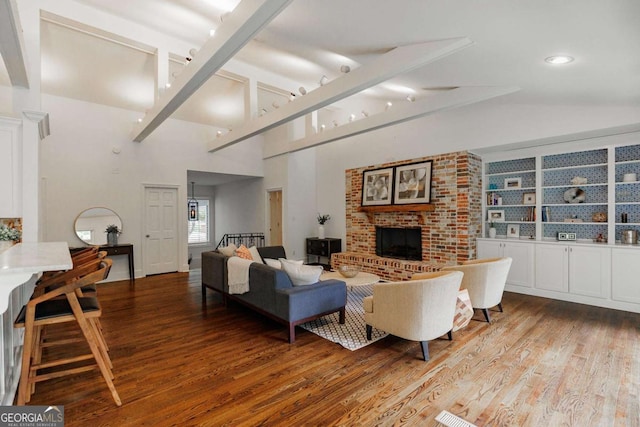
(21, 261)
(20, 268)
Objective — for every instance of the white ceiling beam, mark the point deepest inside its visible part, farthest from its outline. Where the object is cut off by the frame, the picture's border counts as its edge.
(397, 114)
(12, 44)
(397, 61)
(247, 19)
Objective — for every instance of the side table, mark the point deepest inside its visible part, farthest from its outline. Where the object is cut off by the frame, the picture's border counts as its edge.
(122, 249)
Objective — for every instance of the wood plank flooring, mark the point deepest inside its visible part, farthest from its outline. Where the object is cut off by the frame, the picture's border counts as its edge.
(179, 362)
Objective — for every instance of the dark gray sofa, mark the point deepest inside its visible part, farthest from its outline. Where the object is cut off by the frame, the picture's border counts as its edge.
(272, 293)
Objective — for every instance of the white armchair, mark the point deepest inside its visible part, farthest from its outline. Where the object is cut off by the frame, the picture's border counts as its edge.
(485, 280)
(417, 310)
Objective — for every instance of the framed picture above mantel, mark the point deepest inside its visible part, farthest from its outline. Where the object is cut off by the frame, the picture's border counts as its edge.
(377, 187)
(413, 183)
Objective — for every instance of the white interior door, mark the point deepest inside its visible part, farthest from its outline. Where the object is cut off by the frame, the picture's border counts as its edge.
(161, 230)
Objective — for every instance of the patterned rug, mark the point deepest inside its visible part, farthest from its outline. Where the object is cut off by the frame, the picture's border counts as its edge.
(352, 335)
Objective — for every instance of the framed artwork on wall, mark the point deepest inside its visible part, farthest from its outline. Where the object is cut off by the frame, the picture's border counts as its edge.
(529, 199)
(513, 231)
(377, 187)
(495, 216)
(413, 183)
(512, 183)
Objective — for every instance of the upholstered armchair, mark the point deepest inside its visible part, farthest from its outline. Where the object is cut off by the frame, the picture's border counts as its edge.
(417, 310)
(485, 280)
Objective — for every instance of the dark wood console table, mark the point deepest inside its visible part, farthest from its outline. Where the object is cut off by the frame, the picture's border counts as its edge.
(122, 249)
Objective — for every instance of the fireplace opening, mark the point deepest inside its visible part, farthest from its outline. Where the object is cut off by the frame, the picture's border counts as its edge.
(400, 243)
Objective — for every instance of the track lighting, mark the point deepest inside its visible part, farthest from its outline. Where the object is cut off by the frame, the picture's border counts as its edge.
(365, 113)
(411, 98)
(322, 127)
(389, 105)
(275, 105)
(323, 80)
(302, 90)
(218, 134)
(292, 96)
(193, 52)
(352, 117)
(212, 32)
(262, 112)
(345, 69)
(167, 86)
(335, 123)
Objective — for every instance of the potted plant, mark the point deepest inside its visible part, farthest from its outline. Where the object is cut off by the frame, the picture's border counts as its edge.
(112, 234)
(321, 220)
(8, 237)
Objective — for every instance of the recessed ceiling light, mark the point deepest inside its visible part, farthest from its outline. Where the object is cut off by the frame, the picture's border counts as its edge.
(559, 59)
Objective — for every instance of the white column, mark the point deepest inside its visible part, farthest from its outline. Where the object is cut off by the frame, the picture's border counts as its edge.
(162, 71)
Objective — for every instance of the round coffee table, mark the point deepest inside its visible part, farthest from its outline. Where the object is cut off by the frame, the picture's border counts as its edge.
(361, 279)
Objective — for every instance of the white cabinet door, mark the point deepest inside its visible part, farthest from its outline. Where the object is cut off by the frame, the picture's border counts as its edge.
(521, 272)
(552, 264)
(625, 275)
(489, 249)
(589, 271)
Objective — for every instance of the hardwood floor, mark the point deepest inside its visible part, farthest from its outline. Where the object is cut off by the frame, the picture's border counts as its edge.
(177, 362)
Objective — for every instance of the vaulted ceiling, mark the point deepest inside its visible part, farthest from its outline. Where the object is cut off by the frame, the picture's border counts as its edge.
(308, 39)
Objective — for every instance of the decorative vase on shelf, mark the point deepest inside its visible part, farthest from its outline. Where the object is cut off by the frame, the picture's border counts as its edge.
(492, 232)
(321, 231)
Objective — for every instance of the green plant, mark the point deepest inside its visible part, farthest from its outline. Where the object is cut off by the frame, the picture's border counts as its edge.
(112, 229)
(323, 218)
(9, 233)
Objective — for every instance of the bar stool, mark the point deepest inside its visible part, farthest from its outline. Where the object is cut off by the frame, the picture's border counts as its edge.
(48, 309)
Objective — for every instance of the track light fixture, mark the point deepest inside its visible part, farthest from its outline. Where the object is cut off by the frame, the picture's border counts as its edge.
(411, 98)
(218, 134)
(345, 69)
(365, 113)
(352, 117)
(323, 80)
(335, 123)
(389, 105)
(275, 105)
(302, 90)
(322, 127)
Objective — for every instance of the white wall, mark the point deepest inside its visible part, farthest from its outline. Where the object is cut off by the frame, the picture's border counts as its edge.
(79, 169)
(239, 208)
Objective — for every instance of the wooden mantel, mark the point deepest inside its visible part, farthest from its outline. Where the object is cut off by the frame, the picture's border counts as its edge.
(421, 207)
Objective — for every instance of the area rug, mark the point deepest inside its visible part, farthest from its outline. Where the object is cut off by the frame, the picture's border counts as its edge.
(352, 335)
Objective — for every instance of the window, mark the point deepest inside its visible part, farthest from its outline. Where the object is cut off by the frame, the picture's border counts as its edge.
(199, 229)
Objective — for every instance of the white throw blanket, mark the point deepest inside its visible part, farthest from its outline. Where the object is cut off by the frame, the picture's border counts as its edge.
(238, 275)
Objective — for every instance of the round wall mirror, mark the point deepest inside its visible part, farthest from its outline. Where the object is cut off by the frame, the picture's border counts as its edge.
(91, 224)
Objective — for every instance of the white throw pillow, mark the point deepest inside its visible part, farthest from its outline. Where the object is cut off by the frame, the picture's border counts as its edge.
(273, 263)
(228, 250)
(300, 274)
(255, 254)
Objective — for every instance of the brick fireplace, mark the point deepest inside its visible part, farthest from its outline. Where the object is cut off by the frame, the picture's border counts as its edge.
(448, 232)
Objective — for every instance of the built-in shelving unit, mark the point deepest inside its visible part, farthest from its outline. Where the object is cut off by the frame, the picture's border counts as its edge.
(596, 268)
(560, 174)
(530, 192)
(510, 188)
(627, 193)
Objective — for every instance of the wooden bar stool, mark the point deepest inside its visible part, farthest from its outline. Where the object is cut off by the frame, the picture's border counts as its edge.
(48, 309)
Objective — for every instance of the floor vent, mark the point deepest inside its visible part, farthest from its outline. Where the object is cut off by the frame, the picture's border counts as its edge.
(448, 419)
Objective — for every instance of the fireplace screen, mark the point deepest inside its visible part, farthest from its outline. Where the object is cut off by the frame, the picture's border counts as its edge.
(400, 243)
